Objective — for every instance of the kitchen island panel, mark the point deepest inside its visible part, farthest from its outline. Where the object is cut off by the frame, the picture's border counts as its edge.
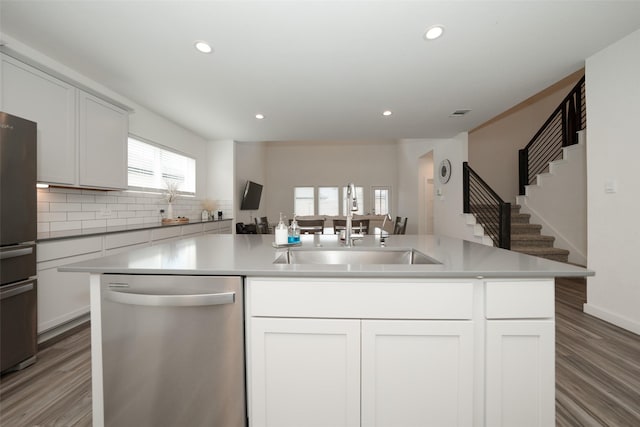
(361, 298)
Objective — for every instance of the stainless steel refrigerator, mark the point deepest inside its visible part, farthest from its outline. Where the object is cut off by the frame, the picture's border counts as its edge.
(18, 228)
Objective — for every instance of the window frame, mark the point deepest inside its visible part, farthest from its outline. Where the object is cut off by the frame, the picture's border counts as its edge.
(375, 188)
(161, 148)
(313, 198)
(337, 191)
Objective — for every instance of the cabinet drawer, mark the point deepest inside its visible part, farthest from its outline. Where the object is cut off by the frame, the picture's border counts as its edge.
(191, 229)
(66, 248)
(225, 228)
(533, 299)
(360, 298)
(126, 239)
(165, 233)
(211, 227)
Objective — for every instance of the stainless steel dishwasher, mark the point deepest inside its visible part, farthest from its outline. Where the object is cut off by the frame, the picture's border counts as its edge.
(173, 351)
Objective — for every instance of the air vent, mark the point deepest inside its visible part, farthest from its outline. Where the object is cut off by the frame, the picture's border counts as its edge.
(459, 113)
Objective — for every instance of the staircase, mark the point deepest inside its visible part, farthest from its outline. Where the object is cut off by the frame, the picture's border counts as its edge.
(526, 238)
(560, 210)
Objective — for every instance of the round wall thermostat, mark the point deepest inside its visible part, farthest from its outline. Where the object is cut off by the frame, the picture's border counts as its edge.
(444, 172)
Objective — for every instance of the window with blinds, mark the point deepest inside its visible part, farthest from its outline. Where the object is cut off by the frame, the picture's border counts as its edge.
(304, 201)
(328, 201)
(151, 167)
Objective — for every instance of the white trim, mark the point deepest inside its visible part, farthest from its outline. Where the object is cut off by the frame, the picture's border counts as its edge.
(96, 352)
(616, 319)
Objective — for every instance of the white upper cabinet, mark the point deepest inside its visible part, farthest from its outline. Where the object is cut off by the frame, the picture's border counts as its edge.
(102, 132)
(39, 97)
(82, 139)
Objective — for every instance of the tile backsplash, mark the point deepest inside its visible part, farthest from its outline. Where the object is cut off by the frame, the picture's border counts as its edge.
(71, 209)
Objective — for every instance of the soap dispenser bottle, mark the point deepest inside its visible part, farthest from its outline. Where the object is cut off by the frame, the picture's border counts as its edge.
(294, 231)
(282, 234)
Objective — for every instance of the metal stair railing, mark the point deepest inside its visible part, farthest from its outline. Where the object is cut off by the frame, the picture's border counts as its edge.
(560, 130)
(490, 210)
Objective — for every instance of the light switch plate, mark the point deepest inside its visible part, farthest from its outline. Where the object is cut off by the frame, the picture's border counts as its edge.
(611, 186)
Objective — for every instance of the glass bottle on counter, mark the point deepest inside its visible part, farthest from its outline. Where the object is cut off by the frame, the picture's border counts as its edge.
(282, 233)
(294, 231)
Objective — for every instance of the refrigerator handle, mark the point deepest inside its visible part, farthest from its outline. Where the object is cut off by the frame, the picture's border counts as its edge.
(13, 253)
(170, 300)
(17, 290)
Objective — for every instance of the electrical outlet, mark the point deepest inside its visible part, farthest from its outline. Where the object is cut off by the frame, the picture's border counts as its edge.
(104, 213)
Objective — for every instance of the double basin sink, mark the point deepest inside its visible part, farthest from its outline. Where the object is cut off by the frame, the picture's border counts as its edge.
(338, 256)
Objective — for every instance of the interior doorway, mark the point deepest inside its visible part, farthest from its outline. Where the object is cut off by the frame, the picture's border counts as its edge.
(426, 194)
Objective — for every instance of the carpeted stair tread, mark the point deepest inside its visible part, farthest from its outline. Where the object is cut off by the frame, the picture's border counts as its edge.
(525, 228)
(554, 254)
(526, 238)
(531, 240)
(520, 218)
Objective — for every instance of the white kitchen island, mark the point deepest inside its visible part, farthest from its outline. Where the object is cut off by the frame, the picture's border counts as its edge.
(467, 342)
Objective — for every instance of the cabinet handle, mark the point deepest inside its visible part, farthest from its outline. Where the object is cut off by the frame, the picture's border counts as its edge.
(13, 253)
(17, 290)
(171, 300)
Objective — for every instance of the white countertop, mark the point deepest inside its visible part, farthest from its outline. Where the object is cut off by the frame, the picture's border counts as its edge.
(253, 255)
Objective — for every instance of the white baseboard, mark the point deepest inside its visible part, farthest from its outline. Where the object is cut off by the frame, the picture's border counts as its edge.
(45, 336)
(621, 321)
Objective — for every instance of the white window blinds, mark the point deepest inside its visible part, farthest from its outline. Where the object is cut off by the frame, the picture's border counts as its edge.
(150, 167)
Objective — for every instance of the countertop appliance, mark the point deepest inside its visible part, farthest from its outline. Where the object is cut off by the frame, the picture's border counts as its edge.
(18, 228)
(172, 350)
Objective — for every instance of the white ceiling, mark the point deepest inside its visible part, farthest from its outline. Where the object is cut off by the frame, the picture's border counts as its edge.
(322, 70)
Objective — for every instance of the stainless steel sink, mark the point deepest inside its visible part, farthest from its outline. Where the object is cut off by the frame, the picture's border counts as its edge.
(354, 256)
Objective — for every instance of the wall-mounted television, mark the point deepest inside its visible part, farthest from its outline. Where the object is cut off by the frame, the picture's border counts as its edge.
(251, 196)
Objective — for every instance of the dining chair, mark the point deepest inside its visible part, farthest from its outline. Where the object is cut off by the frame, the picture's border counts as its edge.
(361, 226)
(262, 225)
(311, 226)
(400, 226)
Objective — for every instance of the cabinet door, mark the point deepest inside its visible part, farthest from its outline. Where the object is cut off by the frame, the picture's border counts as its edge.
(304, 372)
(225, 227)
(520, 373)
(103, 131)
(417, 373)
(39, 97)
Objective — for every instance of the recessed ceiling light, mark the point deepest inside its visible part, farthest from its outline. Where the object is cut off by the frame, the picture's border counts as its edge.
(203, 46)
(387, 113)
(259, 116)
(434, 32)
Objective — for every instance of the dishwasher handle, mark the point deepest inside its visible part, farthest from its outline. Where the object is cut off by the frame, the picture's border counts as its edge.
(194, 300)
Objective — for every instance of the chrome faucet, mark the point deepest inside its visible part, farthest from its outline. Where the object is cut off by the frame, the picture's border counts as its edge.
(352, 206)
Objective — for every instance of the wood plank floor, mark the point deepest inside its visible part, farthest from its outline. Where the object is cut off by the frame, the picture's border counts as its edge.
(597, 374)
(597, 365)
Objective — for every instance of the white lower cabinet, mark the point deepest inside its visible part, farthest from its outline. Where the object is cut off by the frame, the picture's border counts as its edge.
(417, 373)
(305, 372)
(319, 365)
(63, 297)
(520, 373)
(520, 353)
(218, 227)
